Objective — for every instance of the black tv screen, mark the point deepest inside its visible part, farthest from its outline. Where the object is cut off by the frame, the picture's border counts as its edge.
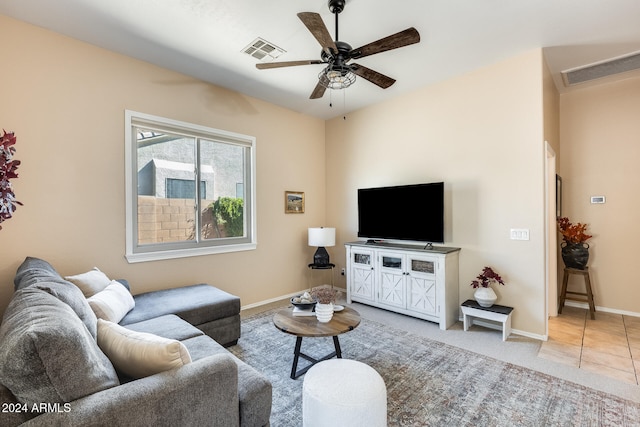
(407, 212)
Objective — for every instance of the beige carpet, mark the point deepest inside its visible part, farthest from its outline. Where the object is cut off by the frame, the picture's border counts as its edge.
(430, 383)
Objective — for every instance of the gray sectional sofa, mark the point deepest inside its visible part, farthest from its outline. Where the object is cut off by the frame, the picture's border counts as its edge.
(53, 373)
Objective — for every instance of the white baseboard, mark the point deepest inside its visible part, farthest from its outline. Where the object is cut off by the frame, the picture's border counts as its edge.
(498, 327)
(530, 335)
(286, 297)
(602, 309)
(269, 301)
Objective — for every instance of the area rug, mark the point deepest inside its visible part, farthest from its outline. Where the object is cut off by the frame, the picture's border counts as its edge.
(430, 383)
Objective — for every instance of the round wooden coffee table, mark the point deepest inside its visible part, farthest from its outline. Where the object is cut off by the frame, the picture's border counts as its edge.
(309, 327)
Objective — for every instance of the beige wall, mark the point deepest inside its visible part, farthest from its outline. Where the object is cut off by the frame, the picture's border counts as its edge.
(600, 154)
(482, 134)
(65, 100)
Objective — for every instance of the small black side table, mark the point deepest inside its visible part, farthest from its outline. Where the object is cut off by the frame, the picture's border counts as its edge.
(498, 313)
(329, 266)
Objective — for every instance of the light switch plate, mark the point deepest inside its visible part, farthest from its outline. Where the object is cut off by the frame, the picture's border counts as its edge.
(519, 234)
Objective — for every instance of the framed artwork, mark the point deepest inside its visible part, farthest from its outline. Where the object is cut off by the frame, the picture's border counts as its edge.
(558, 196)
(293, 202)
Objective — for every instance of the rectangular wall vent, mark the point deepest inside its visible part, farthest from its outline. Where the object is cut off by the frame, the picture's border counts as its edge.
(598, 70)
(263, 50)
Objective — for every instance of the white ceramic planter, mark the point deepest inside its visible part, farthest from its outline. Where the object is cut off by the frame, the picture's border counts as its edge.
(486, 297)
(324, 312)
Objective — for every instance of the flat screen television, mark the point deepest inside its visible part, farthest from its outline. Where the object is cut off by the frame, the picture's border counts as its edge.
(406, 212)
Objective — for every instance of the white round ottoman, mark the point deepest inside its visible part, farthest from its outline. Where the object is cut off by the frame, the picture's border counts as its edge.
(342, 392)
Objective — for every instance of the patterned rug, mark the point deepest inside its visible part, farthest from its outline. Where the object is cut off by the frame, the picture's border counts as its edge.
(430, 383)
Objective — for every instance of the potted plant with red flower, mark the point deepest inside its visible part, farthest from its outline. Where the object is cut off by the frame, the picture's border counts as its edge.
(8, 167)
(484, 294)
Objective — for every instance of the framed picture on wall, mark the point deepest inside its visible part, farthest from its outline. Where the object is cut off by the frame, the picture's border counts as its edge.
(558, 196)
(293, 202)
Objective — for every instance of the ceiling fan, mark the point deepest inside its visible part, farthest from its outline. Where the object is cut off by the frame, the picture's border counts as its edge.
(338, 73)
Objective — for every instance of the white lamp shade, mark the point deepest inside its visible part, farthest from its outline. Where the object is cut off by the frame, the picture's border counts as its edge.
(322, 236)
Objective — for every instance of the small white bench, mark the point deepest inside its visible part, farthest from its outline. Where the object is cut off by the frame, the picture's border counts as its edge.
(499, 313)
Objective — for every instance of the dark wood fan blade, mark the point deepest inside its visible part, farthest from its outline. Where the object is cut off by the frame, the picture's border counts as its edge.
(394, 41)
(373, 76)
(314, 23)
(318, 91)
(267, 65)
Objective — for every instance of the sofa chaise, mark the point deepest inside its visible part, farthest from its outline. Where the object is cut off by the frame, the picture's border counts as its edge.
(64, 361)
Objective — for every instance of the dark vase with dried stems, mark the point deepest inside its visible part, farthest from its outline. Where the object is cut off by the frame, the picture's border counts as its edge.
(575, 255)
(574, 249)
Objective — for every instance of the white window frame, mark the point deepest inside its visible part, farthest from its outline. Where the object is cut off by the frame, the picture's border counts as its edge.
(161, 251)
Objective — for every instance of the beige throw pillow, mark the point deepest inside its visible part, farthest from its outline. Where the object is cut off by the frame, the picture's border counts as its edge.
(91, 282)
(140, 354)
(112, 303)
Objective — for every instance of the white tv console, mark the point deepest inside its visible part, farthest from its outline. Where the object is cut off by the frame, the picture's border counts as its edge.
(415, 280)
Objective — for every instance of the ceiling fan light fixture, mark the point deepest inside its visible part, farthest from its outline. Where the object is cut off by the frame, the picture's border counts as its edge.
(336, 78)
(336, 54)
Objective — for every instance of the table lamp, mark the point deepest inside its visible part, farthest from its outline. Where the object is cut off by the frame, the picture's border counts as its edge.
(321, 237)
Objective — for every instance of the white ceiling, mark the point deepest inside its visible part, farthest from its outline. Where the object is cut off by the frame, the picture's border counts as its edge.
(205, 38)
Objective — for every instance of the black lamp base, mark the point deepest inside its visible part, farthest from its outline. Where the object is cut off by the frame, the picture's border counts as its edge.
(321, 257)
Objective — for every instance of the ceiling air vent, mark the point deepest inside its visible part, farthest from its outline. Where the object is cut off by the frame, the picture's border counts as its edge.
(263, 50)
(598, 70)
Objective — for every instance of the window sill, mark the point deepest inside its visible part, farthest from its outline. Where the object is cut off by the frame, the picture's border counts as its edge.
(185, 253)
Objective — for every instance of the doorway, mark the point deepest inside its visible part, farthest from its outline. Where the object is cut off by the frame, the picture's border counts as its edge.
(551, 238)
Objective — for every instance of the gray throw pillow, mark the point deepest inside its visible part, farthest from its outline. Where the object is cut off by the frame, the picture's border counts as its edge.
(71, 295)
(47, 353)
(40, 274)
(32, 270)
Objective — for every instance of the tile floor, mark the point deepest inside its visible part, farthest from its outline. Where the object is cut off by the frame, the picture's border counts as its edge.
(608, 345)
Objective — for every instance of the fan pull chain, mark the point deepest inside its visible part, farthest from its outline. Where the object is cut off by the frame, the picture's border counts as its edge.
(344, 104)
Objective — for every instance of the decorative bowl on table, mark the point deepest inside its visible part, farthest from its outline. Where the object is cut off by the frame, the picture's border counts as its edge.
(303, 301)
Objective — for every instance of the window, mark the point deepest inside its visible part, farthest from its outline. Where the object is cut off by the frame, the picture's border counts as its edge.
(165, 217)
(183, 189)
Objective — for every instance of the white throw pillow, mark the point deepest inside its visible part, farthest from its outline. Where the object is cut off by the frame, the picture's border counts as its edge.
(112, 303)
(91, 282)
(140, 354)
